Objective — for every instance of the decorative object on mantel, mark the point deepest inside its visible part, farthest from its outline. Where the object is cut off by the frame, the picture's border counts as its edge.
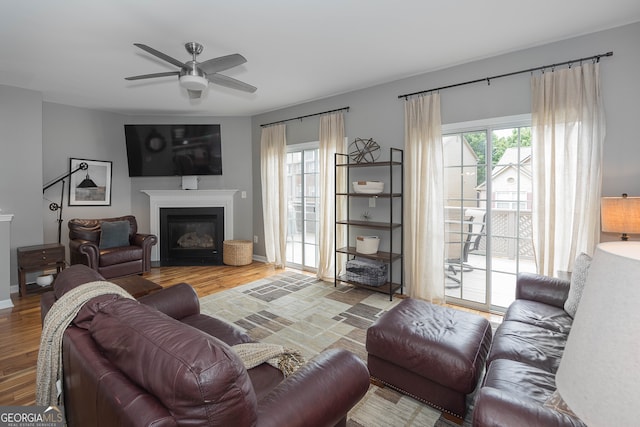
(364, 150)
(53, 206)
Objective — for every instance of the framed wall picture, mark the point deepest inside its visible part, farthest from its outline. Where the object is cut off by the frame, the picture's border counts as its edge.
(92, 186)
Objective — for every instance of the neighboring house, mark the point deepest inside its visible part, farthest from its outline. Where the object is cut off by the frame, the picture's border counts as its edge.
(512, 174)
(459, 184)
(507, 180)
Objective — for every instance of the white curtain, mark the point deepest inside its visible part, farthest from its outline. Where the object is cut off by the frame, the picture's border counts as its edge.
(568, 129)
(331, 142)
(423, 199)
(273, 160)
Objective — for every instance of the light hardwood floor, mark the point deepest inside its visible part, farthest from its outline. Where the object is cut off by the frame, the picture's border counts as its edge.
(20, 326)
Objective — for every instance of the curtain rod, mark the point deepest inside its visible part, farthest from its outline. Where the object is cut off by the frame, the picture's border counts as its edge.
(304, 117)
(528, 70)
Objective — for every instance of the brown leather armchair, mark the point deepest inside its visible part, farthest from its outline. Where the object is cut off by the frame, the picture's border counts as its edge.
(113, 255)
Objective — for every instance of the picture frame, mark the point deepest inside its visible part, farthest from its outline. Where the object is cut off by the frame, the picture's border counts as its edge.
(90, 187)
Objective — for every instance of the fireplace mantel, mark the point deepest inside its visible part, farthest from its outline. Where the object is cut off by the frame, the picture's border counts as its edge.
(188, 198)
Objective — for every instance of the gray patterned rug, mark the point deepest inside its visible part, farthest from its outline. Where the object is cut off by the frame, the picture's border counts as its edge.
(302, 312)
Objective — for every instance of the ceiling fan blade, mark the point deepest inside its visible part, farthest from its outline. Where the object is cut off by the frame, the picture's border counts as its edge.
(160, 55)
(151, 76)
(222, 63)
(227, 81)
(194, 94)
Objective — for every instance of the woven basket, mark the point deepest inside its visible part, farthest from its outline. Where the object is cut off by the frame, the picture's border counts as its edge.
(237, 252)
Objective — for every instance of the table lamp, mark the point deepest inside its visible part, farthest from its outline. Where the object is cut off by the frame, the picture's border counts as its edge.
(620, 215)
(599, 374)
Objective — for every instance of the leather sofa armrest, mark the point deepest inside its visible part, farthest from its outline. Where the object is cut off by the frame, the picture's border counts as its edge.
(84, 252)
(494, 408)
(177, 301)
(318, 394)
(544, 289)
(47, 300)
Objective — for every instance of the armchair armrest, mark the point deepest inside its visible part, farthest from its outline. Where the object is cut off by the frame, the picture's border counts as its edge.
(318, 394)
(545, 289)
(145, 241)
(177, 301)
(84, 252)
(494, 408)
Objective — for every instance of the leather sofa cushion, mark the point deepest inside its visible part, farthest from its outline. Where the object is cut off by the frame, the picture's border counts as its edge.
(539, 314)
(113, 256)
(535, 346)
(197, 377)
(520, 379)
(220, 329)
(264, 377)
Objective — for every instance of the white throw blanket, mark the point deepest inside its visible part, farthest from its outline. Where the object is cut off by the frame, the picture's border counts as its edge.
(256, 353)
(49, 368)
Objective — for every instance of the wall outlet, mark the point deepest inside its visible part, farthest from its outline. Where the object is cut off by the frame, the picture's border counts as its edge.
(243, 195)
(372, 202)
(255, 239)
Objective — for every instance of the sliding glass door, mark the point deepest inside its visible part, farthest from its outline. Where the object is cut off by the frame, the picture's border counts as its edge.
(302, 206)
(488, 203)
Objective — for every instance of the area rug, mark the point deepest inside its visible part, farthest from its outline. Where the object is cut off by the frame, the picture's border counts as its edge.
(300, 311)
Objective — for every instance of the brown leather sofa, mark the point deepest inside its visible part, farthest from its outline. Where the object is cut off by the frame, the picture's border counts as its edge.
(87, 246)
(160, 362)
(524, 357)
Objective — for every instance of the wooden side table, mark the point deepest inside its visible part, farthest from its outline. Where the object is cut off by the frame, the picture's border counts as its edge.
(37, 258)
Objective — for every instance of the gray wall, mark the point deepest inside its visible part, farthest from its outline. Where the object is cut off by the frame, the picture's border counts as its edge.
(21, 168)
(71, 132)
(377, 112)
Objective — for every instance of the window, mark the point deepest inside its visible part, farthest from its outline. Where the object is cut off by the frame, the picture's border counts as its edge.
(302, 206)
(488, 195)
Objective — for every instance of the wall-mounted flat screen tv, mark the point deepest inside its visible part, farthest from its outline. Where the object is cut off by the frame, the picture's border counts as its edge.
(173, 150)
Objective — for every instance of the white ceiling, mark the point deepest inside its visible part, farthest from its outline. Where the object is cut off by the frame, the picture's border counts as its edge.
(77, 52)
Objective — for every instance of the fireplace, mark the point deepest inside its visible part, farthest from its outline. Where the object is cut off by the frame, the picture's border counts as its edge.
(191, 236)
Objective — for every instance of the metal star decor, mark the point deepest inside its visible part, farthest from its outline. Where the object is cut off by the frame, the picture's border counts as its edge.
(364, 150)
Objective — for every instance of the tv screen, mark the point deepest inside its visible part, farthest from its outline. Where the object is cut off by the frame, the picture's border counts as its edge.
(170, 150)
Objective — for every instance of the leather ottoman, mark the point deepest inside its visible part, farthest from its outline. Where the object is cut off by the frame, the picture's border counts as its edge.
(433, 353)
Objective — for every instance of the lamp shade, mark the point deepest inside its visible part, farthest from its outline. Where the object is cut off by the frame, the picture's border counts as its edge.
(620, 214)
(87, 183)
(599, 374)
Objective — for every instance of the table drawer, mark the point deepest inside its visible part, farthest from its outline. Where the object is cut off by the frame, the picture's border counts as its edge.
(41, 257)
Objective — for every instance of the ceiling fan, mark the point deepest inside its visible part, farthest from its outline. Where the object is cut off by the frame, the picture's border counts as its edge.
(195, 76)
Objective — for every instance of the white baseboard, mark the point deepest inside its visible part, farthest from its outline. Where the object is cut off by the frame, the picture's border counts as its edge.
(7, 303)
(259, 258)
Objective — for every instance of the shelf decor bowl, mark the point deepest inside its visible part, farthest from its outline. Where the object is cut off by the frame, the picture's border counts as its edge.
(368, 187)
(367, 245)
(44, 280)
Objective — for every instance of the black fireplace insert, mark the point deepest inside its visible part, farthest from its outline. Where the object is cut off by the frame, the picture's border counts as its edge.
(191, 236)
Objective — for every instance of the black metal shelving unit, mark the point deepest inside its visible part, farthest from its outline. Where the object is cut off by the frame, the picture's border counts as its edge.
(392, 228)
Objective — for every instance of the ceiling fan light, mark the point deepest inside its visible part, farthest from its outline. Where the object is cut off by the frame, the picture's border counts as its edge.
(191, 82)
